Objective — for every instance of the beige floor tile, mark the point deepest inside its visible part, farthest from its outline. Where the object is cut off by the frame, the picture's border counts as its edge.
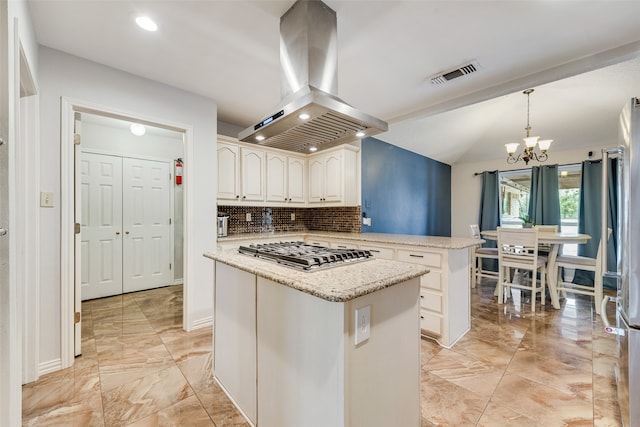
(186, 412)
(475, 375)
(495, 415)
(444, 403)
(144, 396)
(546, 405)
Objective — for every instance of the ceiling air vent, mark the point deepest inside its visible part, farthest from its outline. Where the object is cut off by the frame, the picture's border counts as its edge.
(442, 78)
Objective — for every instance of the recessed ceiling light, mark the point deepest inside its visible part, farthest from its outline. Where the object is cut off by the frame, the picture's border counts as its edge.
(360, 134)
(137, 129)
(304, 116)
(146, 23)
(259, 138)
(313, 148)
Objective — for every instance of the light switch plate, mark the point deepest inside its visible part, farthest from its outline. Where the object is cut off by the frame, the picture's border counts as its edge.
(46, 199)
(293, 216)
(248, 216)
(363, 324)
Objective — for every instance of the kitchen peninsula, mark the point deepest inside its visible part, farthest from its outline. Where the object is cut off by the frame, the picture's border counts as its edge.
(289, 351)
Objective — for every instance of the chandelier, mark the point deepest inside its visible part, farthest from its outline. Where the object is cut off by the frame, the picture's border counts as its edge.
(530, 142)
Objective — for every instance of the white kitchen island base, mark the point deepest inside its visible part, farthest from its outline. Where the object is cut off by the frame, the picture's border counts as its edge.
(288, 358)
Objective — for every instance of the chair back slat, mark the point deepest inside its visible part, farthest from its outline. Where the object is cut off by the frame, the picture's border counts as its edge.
(518, 247)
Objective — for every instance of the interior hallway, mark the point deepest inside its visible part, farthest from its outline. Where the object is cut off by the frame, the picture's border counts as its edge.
(139, 368)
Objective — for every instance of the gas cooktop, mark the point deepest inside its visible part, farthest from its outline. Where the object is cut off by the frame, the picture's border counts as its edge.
(302, 256)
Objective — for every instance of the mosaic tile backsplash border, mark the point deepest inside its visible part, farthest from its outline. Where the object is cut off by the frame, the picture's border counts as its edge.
(263, 219)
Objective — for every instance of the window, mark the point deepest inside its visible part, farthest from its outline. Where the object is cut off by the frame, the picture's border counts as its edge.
(514, 199)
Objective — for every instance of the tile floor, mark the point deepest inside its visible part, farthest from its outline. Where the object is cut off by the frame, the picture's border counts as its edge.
(139, 368)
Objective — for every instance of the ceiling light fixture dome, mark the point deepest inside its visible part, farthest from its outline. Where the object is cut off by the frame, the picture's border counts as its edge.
(137, 129)
(146, 23)
(530, 143)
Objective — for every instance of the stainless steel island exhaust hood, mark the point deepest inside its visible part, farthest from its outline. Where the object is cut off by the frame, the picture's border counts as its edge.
(311, 116)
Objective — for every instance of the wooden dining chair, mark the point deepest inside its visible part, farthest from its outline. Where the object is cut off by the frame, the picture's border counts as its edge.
(578, 262)
(478, 254)
(518, 249)
(545, 248)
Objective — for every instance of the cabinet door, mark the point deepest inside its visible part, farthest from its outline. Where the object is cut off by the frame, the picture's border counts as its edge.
(276, 178)
(333, 177)
(253, 173)
(316, 179)
(228, 172)
(296, 178)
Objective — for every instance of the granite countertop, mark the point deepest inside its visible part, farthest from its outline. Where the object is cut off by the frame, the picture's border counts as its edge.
(336, 284)
(394, 239)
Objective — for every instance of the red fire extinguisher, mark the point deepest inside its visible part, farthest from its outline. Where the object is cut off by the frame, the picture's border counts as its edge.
(179, 172)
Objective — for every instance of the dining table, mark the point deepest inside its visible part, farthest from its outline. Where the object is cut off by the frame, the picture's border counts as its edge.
(555, 240)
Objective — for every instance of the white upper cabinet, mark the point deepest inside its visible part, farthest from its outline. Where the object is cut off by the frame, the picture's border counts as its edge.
(333, 177)
(271, 177)
(228, 171)
(253, 174)
(286, 178)
(296, 179)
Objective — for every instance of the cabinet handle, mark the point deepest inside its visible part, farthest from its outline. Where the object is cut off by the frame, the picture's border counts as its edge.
(374, 251)
(117, 233)
(237, 197)
(342, 247)
(126, 232)
(416, 256)
(422, 317)
(422, 296)
(244, 197)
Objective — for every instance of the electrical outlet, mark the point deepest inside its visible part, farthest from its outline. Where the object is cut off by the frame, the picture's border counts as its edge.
(46, 199)
(293, 217)
(366, 221)
(363, 324)
(248, 216)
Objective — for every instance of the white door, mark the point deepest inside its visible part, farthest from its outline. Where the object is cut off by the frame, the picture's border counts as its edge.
(101, 225)
(126, 225)
(146, 218)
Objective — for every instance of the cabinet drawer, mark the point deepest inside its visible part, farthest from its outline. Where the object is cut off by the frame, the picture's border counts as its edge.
(430, 323)
(419, 257)
(317, 242)
(430, 301)
(379, 251)
(344, 245)
(432, 280)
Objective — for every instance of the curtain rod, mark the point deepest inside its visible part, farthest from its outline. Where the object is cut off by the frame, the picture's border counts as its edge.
(525, 169)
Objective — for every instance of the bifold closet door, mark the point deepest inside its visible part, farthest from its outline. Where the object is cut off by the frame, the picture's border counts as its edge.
(125, 226)
(146, 221)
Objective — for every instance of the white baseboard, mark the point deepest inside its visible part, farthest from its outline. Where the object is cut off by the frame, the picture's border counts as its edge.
(202, 323)
(50, 366)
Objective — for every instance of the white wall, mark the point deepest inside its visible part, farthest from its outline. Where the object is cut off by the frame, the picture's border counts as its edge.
(14, 21)
(63, 75)
(155, 145)
(466, 188)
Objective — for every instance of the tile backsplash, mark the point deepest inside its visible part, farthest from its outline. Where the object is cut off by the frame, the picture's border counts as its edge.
(263, 219)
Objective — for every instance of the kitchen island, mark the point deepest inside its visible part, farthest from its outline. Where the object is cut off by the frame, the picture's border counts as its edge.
(445, 300)
(289, 351)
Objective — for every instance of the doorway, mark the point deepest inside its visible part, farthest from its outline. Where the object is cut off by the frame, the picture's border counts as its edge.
(95, 131)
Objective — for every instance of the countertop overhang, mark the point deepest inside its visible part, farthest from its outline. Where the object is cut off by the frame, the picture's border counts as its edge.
(337, 284)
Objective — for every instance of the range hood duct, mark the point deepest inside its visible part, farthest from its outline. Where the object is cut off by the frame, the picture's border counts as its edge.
(309, 85)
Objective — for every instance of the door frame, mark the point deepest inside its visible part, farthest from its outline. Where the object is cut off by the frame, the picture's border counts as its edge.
(68, 108)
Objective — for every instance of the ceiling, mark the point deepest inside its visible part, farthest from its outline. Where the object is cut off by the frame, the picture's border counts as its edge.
(387, 52)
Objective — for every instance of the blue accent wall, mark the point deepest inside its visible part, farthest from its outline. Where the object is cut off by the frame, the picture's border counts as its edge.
(404, 192)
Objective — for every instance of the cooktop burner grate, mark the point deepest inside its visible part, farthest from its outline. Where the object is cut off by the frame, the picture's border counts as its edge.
(305, 257)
